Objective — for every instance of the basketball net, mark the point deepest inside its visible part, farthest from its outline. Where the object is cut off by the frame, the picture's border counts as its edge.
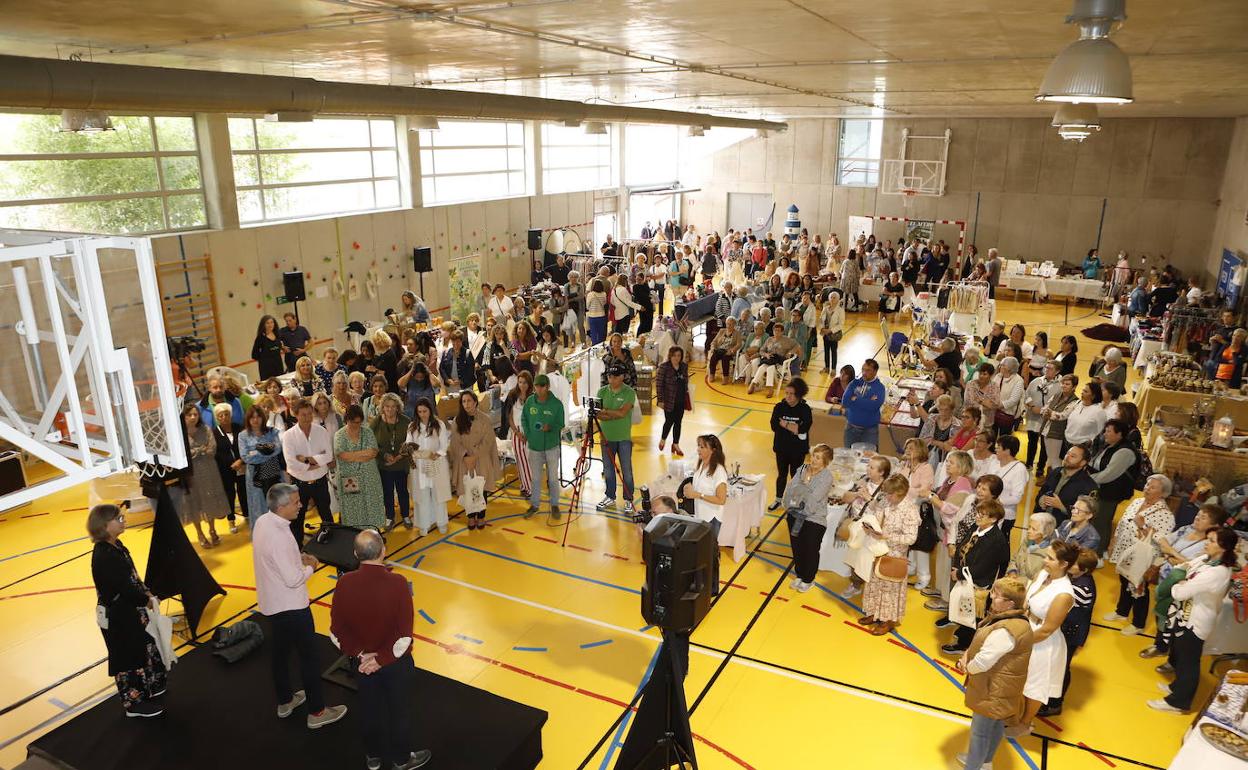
(907, 197)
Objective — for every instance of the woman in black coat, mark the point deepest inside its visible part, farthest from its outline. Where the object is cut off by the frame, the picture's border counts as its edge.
(122, 600)
(230, 465)
(642, 296)
(267, 349)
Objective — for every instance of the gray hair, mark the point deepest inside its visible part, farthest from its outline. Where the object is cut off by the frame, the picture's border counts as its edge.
(1166, 484)
(369, 545)
(388, 398)
(948, 344)
(1046, 521)
(1087, 500)
(1114, 354)
(1010, 363)
(742, 292)
(280, 494)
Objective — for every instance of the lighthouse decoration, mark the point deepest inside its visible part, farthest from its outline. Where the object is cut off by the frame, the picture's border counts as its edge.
(792, 225)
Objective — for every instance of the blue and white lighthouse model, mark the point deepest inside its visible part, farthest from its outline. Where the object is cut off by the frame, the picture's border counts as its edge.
(792, 225)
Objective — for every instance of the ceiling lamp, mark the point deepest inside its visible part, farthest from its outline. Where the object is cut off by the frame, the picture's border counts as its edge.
(290, 116)
(572, 123)
(698, 130)
(85, 122)
(595, 127)
(1092, 69)
(1076, 121)
(422, 123)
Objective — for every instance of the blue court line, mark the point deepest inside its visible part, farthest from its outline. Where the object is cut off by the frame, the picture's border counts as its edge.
(530, 649)
(740, 417)
(333, 576)
(425, 615)
(588, 645)
(644, 629)
(42, 548)
(1014, 743)
(572, 575)
(60, 704)
(418, 560)
(619, 732)
(467, 638)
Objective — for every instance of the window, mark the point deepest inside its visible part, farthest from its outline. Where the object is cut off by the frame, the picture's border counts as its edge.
(651, 155)
(328, 166)
(472, 160)
(858, 160)
(144, 177)
(573, 160)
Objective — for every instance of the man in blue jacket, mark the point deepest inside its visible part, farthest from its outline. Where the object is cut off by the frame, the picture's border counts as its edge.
(457, 368)
(863, 400)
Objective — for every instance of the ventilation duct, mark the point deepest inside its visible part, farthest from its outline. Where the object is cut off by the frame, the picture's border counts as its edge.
(56, 84)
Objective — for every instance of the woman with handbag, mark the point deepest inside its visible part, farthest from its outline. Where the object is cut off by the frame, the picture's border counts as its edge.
(884, 598)
(1050, 597)
(261, 449)
(1197, 602)
(1177, 549)
(947, 502)
(359, 481)
(858, 501)
(806, 512)
(916, 469)
(1010, 389)
(982, 553)
(617, 354)
(622, 305)
(596, 311)
(1144, 517)
(122, 605)
(672, 389)
(473, 451)
(390, 431)
(205, 500)
(1062, 402)
(831, 328)
(428, 439)
(791, 420)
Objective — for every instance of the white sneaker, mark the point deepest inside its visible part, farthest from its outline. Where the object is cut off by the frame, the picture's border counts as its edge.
(1161, 705)
(233, 528)
(851, 592)
(286, 709)
(920, 586)
(795, 582)
(1113, 616)
(328, 716)
(1131, 631)
(606, 504)
(1163, 687)
(803, 586)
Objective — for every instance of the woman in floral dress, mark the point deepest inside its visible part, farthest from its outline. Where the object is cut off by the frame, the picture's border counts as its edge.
(359, 482)
(884, 601)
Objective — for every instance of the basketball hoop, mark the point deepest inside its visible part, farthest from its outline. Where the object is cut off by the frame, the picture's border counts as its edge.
(908, 194)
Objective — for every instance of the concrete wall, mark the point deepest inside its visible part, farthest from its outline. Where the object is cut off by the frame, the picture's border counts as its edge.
(1231, 229)
(1016, 184)
(248, 263)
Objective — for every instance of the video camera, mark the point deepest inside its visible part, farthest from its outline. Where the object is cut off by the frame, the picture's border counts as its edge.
(181, 347)
(592, 405)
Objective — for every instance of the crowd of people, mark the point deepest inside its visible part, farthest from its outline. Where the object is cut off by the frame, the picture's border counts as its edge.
(358, 435)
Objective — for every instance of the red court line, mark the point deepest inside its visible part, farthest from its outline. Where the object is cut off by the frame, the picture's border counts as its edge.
(1090, 751)
(614, 556)
(545, 539)
(817, 611)
(746, 399)
(71, 510)
(946, 665)
(581, 548)
(33, 515)
(778, 598)
(48, 591)
(731, 585)
(905, 647)
(1050, 723)
(512, 531)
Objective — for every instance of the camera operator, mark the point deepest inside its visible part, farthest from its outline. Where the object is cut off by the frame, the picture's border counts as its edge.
(615, 418)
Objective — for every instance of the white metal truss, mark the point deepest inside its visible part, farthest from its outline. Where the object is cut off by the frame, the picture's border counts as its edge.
(87, 418)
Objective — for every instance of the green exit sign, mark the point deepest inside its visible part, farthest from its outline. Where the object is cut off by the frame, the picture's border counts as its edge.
(282, 300)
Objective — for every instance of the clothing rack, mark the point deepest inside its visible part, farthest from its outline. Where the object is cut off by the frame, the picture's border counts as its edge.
(1184, 325)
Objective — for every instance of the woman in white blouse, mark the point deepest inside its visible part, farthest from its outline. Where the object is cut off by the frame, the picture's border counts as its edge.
(430, 477)
(622, 303)
(1012, 388)
(596, 311)
(831, 328)
(1145, 518)
(1050, 598)
(1087, 419)
(709, 488)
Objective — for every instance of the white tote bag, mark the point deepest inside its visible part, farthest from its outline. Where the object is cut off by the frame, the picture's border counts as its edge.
(472, 493)
(1136, 561)
(962, 601)
(636, 417)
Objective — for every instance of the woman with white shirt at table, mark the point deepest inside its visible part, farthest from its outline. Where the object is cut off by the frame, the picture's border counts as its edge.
(919, 473)
(1087, 419)
(1050, 598)
(709, 488)
(1193, 613)
(806, 512)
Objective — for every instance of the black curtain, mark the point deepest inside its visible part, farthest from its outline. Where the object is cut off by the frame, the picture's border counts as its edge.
(173, 566)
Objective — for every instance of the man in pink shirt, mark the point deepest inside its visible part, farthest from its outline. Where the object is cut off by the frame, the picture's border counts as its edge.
(282, 574)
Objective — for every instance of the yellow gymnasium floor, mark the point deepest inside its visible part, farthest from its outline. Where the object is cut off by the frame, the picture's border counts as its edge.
(510, 611)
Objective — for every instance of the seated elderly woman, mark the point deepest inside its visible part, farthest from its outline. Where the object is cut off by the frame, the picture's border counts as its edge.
(774, 354)
(1028, 559)
(1111, 368)
(741, 303)
(750, 354)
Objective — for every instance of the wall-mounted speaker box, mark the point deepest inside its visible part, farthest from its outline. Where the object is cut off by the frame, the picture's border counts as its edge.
(535, 239)
(292, 282)
(422, 259)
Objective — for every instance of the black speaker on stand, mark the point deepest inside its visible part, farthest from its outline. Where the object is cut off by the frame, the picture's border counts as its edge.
(535, 245)
(422, 262)
(292, 284)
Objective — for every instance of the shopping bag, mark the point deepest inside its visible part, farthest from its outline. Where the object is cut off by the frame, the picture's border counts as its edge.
(472, 493)
(962, 601)
(1136, 561)
(636, 411)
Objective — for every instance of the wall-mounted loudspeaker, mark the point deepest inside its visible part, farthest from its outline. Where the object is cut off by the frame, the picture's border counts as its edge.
(535, 239)
(292, 282)
(422, 259)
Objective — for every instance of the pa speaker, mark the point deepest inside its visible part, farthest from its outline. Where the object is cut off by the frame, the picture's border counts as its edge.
(422, 259)
(535, 240)
(334, 545)
(292, 282)
(681, 572)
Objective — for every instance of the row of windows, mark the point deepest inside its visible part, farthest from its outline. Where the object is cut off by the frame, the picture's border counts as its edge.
(146, 177)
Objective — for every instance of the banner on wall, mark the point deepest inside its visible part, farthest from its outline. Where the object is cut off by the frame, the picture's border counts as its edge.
(859, 226)
(465, 285)
(1231, 275)
(919, 228)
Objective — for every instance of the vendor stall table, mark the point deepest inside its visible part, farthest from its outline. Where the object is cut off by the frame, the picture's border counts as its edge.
(747, 502)
(1193, 462)
(1149, 397)
(1197, 753)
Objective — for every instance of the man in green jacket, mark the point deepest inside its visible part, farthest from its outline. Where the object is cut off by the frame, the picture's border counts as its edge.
(542, 423)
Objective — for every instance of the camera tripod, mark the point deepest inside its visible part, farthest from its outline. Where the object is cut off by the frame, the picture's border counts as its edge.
(581, 469)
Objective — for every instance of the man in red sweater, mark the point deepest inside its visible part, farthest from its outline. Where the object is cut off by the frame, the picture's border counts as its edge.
(371, 622)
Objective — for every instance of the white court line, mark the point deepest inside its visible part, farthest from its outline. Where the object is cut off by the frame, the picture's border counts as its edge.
(692, 648)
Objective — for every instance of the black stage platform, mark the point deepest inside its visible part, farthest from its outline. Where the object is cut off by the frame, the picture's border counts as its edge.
(219, 715)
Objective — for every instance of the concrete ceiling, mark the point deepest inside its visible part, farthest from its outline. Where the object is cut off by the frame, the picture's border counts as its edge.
(749, 58)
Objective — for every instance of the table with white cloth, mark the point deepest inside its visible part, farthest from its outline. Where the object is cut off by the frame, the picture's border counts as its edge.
(870, 292)
(1075, 288)
(1147, 349)
(1197, 753)
(743, 511)
(847, 467)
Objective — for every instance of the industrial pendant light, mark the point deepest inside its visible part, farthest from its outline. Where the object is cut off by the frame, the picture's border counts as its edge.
(1092, 69)
(595, 127)
(1076, 121)
(85, 122)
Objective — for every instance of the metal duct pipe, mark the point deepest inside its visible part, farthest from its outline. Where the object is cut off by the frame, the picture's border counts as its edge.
(57, 84)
